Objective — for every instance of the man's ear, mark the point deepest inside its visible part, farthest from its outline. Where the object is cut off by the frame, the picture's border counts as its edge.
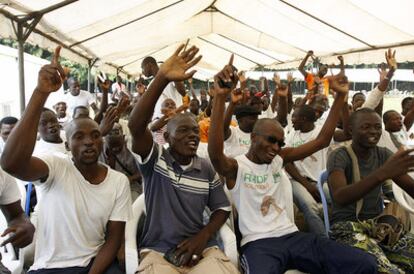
(67, 146)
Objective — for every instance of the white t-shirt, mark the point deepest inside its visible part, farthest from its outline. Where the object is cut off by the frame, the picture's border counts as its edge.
(313, 165)
(83, 99)
(264, 200)
(74, 213)
(2, 144)
(45, 148)
(9, 192)
(238, 143)
(169, 92)
(401, 136)
(268, 113)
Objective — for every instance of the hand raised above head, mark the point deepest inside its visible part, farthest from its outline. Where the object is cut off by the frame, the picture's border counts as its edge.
(226, 79)
(391, 61)
(282, 90)
(175, 68)
(51, 76)
(339, 83)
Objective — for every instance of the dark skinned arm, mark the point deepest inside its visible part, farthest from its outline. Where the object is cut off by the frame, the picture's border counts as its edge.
(282, 111)
(311, 188)
(19, 224)
(342, 135)
(104, 103)
(303, 63)
(107, 253)
(17, 158)
(179, 85)
(409, 118)
(225, 166)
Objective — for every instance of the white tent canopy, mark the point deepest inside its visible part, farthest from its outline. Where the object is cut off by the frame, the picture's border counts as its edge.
(269, 33)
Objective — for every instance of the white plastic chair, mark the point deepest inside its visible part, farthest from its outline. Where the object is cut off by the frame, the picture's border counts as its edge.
(321, 180)
(131, 250)
(405, 201)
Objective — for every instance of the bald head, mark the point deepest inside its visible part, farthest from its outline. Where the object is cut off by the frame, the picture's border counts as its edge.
(78, 124)
(266, 123)
(181, 119)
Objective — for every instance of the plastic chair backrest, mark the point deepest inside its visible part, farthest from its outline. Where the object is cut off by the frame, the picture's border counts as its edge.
(321, 180)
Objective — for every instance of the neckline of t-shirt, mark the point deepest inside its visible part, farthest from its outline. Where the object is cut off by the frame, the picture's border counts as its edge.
(260, 167)
(104, 181)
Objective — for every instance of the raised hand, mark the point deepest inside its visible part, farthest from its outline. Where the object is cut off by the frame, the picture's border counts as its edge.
(382, 71)
(226, 75)
(111, 116)
(237, 96)
(309, 53)
(391, 61)
(290, 77)
(398, 164)
(51, 76)
(339, 83)
(175, 68)
(340, 58)
(105, 86)
(123, 105)
(242, 77)
(276, 78)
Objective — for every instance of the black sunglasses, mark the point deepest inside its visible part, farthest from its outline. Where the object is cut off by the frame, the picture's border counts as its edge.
(273, 140)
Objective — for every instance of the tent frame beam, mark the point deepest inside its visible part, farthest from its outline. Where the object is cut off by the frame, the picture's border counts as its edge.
(22, 29)
(327, 24)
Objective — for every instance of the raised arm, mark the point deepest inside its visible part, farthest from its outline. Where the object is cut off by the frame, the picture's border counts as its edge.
(376, 95)
(17, 156)
(173, 69)
(409, 118)
(273, 103)
(282, 111)
(236, 98)
(225, 166)
(339, 84)
(104, 103)
(290, 80)
(303, 63)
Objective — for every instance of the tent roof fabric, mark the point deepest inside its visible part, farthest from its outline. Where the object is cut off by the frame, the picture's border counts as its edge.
(269, 33)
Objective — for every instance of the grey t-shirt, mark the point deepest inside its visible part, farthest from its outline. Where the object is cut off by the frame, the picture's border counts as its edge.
(339, 159)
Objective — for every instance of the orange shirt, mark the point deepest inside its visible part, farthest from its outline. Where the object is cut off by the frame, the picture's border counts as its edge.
(323, 88)
(205, 125)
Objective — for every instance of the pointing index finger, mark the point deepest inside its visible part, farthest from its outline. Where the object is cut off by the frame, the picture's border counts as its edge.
(56, 55)
(231, 59)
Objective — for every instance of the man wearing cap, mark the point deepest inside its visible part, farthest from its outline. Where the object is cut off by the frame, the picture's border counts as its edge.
(237, 139)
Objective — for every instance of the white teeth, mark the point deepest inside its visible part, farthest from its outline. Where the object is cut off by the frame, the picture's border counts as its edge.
(372, 139)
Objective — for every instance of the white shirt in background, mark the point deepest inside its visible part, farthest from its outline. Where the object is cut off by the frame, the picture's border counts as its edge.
(74, 213)
(83, 99)
(238, 143)
(9, 192)
(313, 165)
(169, 92)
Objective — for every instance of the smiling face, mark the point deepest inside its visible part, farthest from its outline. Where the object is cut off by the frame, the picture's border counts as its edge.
(266, 137)
(393, 121)
(49, 129)
(84, 141)
(366, 129)
(183, 135)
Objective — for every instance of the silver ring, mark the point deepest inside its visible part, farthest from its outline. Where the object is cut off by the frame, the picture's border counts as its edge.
(194, 257)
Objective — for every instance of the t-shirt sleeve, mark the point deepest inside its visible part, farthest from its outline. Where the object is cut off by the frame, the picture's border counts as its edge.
(122, 209)
(54, 166)
(217, 198)
(337, 160)
(9, 192)
(147, 165)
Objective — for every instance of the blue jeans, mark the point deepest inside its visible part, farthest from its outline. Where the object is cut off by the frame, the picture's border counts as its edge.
(305, 252)
(309, 207)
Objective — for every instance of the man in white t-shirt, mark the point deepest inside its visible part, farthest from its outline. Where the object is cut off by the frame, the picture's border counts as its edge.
(263, 197)
(118, 90)
(85, 204)
(304, 173)
(174, 90)
(77, 97)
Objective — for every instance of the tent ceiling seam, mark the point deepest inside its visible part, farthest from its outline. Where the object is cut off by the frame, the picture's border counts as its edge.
(327, 24)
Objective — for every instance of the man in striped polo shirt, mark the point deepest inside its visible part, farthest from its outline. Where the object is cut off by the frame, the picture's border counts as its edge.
(178, 186)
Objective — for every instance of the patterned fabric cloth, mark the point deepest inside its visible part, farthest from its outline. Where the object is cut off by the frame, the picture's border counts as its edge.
(398, 258)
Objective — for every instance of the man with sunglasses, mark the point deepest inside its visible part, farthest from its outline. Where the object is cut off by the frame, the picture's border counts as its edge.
(263, 196)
